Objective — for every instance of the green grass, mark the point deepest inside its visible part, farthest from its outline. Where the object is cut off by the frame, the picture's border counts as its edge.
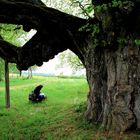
(60, 117)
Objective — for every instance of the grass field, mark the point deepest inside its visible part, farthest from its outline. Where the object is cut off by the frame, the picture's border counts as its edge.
(60, 117)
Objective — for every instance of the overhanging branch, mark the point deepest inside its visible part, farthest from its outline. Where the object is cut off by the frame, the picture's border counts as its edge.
(57, 31)
(37, 16)
(8, 51)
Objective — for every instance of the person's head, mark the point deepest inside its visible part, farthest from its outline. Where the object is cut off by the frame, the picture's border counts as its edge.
(37, 89)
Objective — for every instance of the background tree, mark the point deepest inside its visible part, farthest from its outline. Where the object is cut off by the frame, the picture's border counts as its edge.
(30, 71)
(69, 60)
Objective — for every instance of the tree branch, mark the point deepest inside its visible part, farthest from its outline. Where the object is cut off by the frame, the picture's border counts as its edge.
(37, 16)
(56, 32)
(8, 51)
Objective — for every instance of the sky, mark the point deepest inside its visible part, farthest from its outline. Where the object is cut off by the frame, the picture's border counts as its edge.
(51, 68)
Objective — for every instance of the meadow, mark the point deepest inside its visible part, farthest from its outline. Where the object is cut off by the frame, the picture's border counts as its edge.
(60, 117)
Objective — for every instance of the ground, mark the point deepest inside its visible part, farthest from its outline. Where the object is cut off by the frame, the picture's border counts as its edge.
(60, 117)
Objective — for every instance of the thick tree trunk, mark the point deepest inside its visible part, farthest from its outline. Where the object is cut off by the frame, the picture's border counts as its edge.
(114, 84)
(96, 77)
(122, 108)
(114, 88)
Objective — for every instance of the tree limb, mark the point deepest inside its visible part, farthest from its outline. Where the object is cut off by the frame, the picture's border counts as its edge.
(8, 51)
(56, 32)
(37, 16)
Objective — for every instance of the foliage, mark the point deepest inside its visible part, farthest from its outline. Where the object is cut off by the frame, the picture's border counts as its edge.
(85, 6)
(10, 33)
(69, 59)
(116, 3)
(98, 30)
(137, 42)
(15, 35)
(94, 29)
(101, 8)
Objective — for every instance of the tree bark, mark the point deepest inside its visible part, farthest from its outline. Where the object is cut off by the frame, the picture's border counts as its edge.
(113, 78)
(7, 91)
(96, 77)
(120, 88)
(30, 73)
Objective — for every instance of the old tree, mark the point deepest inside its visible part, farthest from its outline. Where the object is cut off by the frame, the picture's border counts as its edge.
(107, 45)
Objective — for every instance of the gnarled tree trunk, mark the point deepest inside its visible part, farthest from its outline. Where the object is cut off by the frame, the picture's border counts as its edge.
(114, 87)
(113, 72)
(122, 89)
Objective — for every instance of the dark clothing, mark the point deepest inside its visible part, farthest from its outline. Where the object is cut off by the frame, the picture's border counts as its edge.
(37, 90)
(36, 95)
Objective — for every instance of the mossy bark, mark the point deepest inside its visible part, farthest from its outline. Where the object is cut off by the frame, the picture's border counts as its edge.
(114, 78)
(114, 89)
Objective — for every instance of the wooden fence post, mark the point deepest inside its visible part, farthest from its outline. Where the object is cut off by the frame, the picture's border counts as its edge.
(7, 91)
